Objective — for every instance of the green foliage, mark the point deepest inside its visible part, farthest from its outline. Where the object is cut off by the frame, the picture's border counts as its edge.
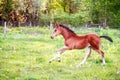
(101, 10)
(73, 12)
(25, 53)
(114, 13)
(73, 19)
(45, 19)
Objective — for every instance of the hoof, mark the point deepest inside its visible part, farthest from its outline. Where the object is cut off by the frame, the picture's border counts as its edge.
(50, 61)
(103, 64)
(79, 65)
(59, 60)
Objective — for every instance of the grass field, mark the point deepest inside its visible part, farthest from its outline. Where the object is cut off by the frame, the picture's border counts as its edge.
(25, 52)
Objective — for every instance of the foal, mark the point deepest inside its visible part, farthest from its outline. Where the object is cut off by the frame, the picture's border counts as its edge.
(73, 41)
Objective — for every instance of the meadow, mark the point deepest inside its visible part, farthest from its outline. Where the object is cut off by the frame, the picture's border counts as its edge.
(25, 52)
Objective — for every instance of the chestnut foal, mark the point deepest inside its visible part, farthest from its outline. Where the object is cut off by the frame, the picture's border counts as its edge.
(73, 41)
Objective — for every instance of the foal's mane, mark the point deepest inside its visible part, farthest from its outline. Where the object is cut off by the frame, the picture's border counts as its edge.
(67, 28)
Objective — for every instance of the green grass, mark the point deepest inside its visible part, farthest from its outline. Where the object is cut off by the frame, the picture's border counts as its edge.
(25, 52)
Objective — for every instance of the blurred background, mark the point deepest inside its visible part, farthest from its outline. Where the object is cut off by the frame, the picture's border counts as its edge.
(71, 12)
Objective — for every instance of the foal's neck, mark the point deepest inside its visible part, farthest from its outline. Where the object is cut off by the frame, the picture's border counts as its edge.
(67, 34)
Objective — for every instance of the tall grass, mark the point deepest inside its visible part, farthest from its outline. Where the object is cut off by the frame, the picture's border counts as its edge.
(25, 52)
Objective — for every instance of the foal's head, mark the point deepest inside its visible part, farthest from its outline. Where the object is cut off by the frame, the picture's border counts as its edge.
(56, 31)
(61, 29)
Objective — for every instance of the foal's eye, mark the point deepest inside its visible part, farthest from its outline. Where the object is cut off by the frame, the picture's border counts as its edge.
(55, 30)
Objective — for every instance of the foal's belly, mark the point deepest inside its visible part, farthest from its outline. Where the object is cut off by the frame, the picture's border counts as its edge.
(77, 44)
(81, 46)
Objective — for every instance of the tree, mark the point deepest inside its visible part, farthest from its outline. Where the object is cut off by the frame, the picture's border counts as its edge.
(74, 12)
(6, 7)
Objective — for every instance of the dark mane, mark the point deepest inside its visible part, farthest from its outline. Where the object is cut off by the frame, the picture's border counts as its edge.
(61, 25)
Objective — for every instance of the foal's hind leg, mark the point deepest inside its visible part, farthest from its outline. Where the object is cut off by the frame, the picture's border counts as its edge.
(87, 55)
(102, 54)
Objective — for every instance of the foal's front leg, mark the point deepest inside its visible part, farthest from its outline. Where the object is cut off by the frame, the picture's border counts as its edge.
(59, 53)
(56, 56)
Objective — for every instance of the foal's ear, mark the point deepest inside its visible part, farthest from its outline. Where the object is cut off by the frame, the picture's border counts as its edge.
(56, 24)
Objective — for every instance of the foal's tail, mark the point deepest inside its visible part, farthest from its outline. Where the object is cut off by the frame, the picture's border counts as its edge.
(107, 37)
